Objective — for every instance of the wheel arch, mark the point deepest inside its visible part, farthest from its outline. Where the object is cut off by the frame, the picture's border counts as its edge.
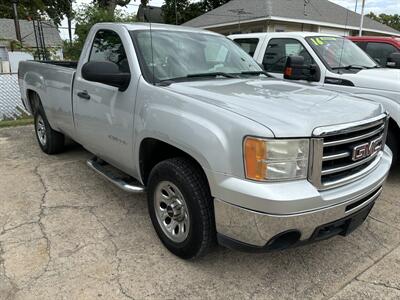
(154, 150)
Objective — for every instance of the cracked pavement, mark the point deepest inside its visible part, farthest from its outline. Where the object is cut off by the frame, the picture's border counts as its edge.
(66, 233)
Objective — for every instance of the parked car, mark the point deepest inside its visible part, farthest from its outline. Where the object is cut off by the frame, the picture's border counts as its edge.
(384, 50)
(223, 150)
(330, 61)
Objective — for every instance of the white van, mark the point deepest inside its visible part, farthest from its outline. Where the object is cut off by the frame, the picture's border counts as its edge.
(330, 61)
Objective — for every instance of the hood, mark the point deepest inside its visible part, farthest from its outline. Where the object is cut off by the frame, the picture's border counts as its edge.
(380, 79)
(287, 109)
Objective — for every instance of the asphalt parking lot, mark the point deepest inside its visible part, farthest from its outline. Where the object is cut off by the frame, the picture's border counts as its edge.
(66, 233)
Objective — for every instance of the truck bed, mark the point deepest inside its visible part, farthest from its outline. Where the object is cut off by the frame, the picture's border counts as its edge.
(52, 81)
(61, 63)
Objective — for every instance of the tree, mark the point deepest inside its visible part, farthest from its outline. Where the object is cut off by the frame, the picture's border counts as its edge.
(186, 10)
(389, 20)
(26, 8)
(110, 5)
(212, 4)
(36, 9)
(85, 18)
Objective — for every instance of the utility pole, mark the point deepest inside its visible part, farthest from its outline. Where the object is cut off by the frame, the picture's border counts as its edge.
(362, 18)
(355, 9)
(16, 22)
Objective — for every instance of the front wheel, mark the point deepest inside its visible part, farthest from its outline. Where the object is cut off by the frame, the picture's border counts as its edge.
(180, 207)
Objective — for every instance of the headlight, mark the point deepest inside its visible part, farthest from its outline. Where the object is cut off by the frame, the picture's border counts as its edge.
(275, 159)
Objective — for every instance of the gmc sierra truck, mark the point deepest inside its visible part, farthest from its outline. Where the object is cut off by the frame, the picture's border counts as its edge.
(224, 151)
(330, 61)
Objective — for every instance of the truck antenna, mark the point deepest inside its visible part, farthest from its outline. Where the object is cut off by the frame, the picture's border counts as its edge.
(151, 40)
(345, 32)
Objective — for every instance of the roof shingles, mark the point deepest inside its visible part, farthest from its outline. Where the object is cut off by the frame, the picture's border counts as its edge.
(322, 11)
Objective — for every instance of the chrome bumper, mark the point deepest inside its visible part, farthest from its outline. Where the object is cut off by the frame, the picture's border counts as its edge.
(257, 228)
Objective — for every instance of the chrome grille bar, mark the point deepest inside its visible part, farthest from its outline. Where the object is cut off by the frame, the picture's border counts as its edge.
(348, 167)
(356, 138)
(336, 156)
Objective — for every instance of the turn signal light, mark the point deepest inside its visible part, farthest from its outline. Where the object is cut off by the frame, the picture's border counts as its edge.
(254, 155)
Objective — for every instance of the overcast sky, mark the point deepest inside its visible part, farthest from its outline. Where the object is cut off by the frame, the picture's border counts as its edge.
(376, 6)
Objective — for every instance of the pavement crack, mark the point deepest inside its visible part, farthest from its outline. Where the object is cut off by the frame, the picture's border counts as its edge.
(116, 251)
(383, 222)
(379, 284)
(5, 230)
(40, 222)
(356, 277)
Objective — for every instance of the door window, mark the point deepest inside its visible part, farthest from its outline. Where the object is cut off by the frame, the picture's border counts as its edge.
(278, 50)
(107, 46)
(380, 51)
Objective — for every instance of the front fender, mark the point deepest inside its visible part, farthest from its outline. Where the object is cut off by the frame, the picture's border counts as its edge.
(212, 135)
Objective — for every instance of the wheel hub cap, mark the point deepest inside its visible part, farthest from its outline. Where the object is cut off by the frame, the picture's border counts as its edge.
(171, 211)
(41, 130)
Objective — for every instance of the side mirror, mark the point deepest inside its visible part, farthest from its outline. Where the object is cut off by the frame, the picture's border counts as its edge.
(107, 73)
(393, 60)
(296, 70)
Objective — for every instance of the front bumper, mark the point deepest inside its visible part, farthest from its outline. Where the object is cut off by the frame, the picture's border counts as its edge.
(242, 224)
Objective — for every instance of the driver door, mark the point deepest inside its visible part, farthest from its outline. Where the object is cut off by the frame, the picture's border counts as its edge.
(103, 114)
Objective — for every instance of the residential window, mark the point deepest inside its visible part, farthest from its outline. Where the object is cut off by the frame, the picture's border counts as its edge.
(380, 51)
(248, 45)
(107, 46)
(278, 50)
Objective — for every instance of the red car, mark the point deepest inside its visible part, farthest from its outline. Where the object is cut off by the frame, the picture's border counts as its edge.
(380, 48)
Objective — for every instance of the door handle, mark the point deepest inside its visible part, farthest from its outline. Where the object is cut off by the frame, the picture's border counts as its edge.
(84, 95)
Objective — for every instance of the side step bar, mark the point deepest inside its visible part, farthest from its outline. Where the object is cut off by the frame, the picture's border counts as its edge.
(130, 186)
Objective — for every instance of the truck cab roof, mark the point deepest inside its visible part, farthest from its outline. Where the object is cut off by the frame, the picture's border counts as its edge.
(296, 34)
(155, 26)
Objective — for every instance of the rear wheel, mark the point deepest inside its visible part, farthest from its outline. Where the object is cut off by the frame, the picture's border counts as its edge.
(50, 141)
(180, 207)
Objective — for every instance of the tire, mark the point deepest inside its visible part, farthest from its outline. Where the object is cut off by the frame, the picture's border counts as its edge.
(393, 143)
(50, 141)
(169, 181)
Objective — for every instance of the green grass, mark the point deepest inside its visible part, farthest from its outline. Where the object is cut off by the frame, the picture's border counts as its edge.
(18, 122)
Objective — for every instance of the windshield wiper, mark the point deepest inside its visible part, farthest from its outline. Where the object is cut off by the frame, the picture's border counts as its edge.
(212, 74)
(255, 73)
(166, 82)
(348, 67)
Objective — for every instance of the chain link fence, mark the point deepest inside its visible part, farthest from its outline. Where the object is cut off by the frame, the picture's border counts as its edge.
(11, 106)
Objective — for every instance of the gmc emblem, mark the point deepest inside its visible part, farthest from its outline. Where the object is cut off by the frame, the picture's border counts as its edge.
(367, 149)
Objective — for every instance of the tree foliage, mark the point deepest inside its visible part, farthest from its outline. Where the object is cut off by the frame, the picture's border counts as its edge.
(110, 5)
(389, 20)
(187, 10)
(36, 9)
(85, 18)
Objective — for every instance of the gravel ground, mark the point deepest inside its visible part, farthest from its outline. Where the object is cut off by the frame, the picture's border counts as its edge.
(66, 233)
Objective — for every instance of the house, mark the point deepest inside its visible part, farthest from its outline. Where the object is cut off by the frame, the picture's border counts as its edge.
(8, 40)
(246, 16)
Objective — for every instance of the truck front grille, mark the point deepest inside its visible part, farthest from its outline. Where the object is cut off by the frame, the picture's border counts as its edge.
(344, 153)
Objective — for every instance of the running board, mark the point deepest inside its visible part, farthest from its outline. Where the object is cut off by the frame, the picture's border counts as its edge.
(127, 184)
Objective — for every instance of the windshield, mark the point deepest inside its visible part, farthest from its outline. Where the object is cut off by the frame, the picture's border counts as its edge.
(179, 54)
(339, 53)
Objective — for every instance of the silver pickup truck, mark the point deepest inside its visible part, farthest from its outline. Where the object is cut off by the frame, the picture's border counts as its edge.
(225, 152)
